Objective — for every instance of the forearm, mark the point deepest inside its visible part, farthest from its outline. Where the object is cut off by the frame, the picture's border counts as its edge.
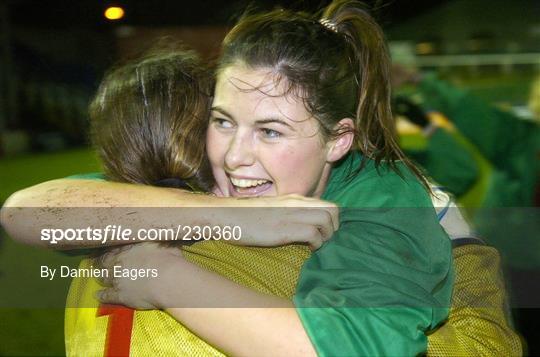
(235, 319)
(70, 203)
(100, 205)
(248, 331)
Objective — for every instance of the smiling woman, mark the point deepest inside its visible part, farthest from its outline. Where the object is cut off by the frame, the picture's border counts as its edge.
(262, 141)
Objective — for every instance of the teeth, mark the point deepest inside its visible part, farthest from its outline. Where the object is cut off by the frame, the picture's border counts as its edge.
(247, 183)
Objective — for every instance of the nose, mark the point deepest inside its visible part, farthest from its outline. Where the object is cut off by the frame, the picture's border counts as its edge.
(240, 152)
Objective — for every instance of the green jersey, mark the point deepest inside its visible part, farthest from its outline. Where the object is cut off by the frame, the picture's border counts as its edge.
(385, 278)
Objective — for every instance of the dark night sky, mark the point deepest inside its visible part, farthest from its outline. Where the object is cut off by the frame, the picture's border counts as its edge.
(89, 13)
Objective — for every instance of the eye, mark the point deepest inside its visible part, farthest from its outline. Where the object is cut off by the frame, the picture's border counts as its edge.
(222, 123)
(270, 133)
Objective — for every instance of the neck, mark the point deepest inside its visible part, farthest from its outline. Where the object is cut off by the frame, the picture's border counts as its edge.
(321, 186)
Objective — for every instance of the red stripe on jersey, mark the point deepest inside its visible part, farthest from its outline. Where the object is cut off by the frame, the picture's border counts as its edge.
(119, 328)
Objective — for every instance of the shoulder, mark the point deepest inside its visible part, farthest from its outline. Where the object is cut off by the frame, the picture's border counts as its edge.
(375, 186)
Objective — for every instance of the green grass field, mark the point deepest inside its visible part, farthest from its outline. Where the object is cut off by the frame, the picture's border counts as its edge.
(31, 332)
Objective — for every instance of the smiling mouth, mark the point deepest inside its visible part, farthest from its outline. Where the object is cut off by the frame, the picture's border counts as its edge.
(250, 187)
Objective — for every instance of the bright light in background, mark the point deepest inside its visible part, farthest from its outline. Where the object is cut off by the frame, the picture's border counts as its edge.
(424, 48)
(114, 13)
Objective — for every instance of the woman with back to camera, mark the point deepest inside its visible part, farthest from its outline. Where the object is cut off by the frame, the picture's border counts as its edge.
(140, 119)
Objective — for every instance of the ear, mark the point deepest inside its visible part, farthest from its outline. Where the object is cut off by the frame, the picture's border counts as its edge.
(341, 145)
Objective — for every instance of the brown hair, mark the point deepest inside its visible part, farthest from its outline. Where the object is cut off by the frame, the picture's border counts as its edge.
(339, 70)
(149, 117)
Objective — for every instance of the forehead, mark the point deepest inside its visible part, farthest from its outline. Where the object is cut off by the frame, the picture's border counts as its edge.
(244, 90)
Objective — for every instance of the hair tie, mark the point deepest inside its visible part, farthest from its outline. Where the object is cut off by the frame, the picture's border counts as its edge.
(173, 182)
(329, 24)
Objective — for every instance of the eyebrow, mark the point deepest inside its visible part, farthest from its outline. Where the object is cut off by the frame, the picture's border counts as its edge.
(260, 121)
(222, 111)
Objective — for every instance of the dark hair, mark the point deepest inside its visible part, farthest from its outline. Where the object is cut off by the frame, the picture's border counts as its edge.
(149, 117)
(340, 69)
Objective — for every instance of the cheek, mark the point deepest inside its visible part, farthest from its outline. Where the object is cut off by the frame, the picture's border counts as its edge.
(285, 160)
(296, 169)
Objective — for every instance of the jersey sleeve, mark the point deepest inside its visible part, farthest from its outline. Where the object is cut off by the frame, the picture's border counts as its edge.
(385, 277)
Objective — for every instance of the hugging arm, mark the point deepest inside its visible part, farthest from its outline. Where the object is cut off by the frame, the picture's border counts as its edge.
(274, 331)
(374, 289)
(477, 323)
(80, 203)
(233, 318)
(369, 310)
(75, 203)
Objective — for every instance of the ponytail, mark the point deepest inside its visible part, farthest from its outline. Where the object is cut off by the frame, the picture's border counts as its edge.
(377, 136)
